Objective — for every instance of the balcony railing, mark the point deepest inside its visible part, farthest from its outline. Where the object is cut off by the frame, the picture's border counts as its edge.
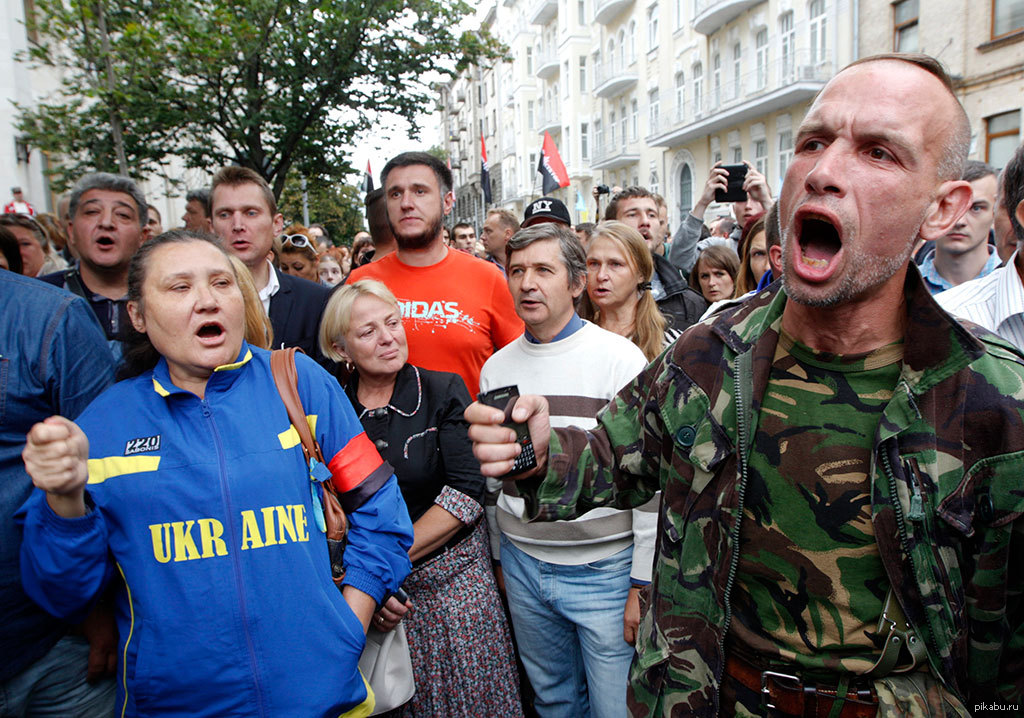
(546, 62)
(542, 11)
(612, 80)
(607, 10)
(778, 84)
(709, 15)
(549, 119)
(612, 155)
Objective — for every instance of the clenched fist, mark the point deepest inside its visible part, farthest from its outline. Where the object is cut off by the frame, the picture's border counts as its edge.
(56, 457)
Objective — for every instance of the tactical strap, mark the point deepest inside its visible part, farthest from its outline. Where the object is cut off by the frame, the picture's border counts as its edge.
(898, 634)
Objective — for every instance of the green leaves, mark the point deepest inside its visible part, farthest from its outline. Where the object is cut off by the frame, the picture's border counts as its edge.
(271, 84)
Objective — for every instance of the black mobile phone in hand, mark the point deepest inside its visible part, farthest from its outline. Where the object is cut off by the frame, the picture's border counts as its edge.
(504, 398)
(734, 191)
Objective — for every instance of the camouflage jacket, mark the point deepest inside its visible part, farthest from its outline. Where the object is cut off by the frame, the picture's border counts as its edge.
(947, 495)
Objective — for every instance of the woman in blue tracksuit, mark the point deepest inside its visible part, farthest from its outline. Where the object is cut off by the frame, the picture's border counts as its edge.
(189, 481)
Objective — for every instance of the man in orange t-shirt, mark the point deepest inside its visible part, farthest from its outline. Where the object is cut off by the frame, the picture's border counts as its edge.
(456, 308)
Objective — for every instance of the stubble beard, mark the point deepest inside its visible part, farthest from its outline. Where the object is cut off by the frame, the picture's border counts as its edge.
(863, 273)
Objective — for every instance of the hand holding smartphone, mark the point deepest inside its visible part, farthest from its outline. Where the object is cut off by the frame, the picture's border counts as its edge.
(734, 191)
(504, 398)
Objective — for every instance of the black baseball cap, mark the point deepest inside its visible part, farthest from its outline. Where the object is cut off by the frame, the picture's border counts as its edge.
(546, 209)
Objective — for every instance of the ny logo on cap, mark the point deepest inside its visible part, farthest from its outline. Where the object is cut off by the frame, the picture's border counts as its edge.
(542, 205)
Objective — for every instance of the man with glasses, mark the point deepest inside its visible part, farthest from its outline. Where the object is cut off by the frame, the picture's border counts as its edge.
(245, 217)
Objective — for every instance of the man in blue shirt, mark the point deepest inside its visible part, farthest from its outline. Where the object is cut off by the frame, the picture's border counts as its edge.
(54, 359)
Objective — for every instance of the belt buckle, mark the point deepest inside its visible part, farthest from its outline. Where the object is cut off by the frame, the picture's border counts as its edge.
(766, 694)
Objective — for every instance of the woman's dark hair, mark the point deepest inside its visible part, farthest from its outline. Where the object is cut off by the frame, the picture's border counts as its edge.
(11, 251)
(717, 256)
(138, 353)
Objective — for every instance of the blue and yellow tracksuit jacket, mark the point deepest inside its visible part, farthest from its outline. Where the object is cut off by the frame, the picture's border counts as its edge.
(204, 507)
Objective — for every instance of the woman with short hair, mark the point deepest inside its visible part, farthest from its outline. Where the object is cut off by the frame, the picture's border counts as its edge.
(459, 639)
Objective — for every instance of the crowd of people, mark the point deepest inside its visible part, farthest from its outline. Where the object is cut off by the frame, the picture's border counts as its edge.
(766, 472)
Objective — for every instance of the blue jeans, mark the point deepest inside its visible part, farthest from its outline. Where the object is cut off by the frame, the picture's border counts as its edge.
(568, 624)
(55, 685)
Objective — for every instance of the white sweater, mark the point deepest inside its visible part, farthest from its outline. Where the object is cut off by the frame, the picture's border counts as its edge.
(578, 375)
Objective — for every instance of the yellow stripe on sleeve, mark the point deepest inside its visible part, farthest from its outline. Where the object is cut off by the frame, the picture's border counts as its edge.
(108, 467)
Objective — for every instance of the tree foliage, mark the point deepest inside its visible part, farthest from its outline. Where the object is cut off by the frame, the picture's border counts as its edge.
(337, 206)
(268, 84)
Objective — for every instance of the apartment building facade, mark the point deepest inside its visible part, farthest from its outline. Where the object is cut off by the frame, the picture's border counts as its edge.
(654, 92)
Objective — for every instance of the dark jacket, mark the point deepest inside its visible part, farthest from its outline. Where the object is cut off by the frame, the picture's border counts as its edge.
(295, 313)
(681, 305)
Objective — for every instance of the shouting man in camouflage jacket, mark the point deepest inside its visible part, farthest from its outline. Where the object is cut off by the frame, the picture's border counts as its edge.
(842, 464)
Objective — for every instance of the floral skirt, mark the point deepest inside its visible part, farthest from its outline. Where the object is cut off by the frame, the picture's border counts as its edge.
(459, 639)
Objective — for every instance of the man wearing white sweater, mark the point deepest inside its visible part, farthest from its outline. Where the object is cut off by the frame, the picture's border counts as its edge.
(573, 586)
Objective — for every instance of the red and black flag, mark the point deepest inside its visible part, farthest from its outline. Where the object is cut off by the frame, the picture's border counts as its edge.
(551, 167)
(368, 178)
(485, 174)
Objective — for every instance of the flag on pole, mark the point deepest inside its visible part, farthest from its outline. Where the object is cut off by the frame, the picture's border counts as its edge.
(368, 179)
(551, 167)
(485, 175)
(581, 206)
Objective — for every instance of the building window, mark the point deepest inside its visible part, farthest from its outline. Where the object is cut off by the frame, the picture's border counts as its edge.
(680, 9)
(785, 153)
(652, 183)
(716, 78)
(581, 12)
(584, 142)
(652, 26)
(652, 100)
(1007, 16)
(904, 24)
(583, 73)
(612, 125)
(685, 189)
(632, 41)
(717, 157)
(787, 38)
(565, 74)
(624, 119)
(819, 44)
(531, 168)
(636, 119)
(1002, 135)
(610, 67)
(737, 155)
(737, 55)
(529, 61)
(698, 89)
(598, 138)
(680, 96)
(761, 156)
(762, 59)
(529, 115)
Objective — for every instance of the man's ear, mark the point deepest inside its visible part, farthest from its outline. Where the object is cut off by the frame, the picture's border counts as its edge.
(1020, 212)
(580, 287)
(952, 200)
(135, 315)
(278, 224)
(775, 260)
(447, 203)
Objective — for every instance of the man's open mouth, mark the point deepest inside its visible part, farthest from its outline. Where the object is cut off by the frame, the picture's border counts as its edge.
(819, 241)
(105, 241)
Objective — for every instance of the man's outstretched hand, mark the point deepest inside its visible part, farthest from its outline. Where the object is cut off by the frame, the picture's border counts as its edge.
(495, 445)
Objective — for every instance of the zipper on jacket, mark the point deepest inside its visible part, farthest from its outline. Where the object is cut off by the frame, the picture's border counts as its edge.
(243, 610)
(901, 528)
(742, 391)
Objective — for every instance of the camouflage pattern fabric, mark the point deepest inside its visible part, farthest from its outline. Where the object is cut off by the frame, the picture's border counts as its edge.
(946, 483)
(810, 582)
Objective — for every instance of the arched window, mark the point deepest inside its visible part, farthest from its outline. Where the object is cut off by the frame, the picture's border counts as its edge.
(698, 89)
(716, 78)
(632, 41)
(611, 59)
(622, 49)
(762, 58)
(685, 189)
